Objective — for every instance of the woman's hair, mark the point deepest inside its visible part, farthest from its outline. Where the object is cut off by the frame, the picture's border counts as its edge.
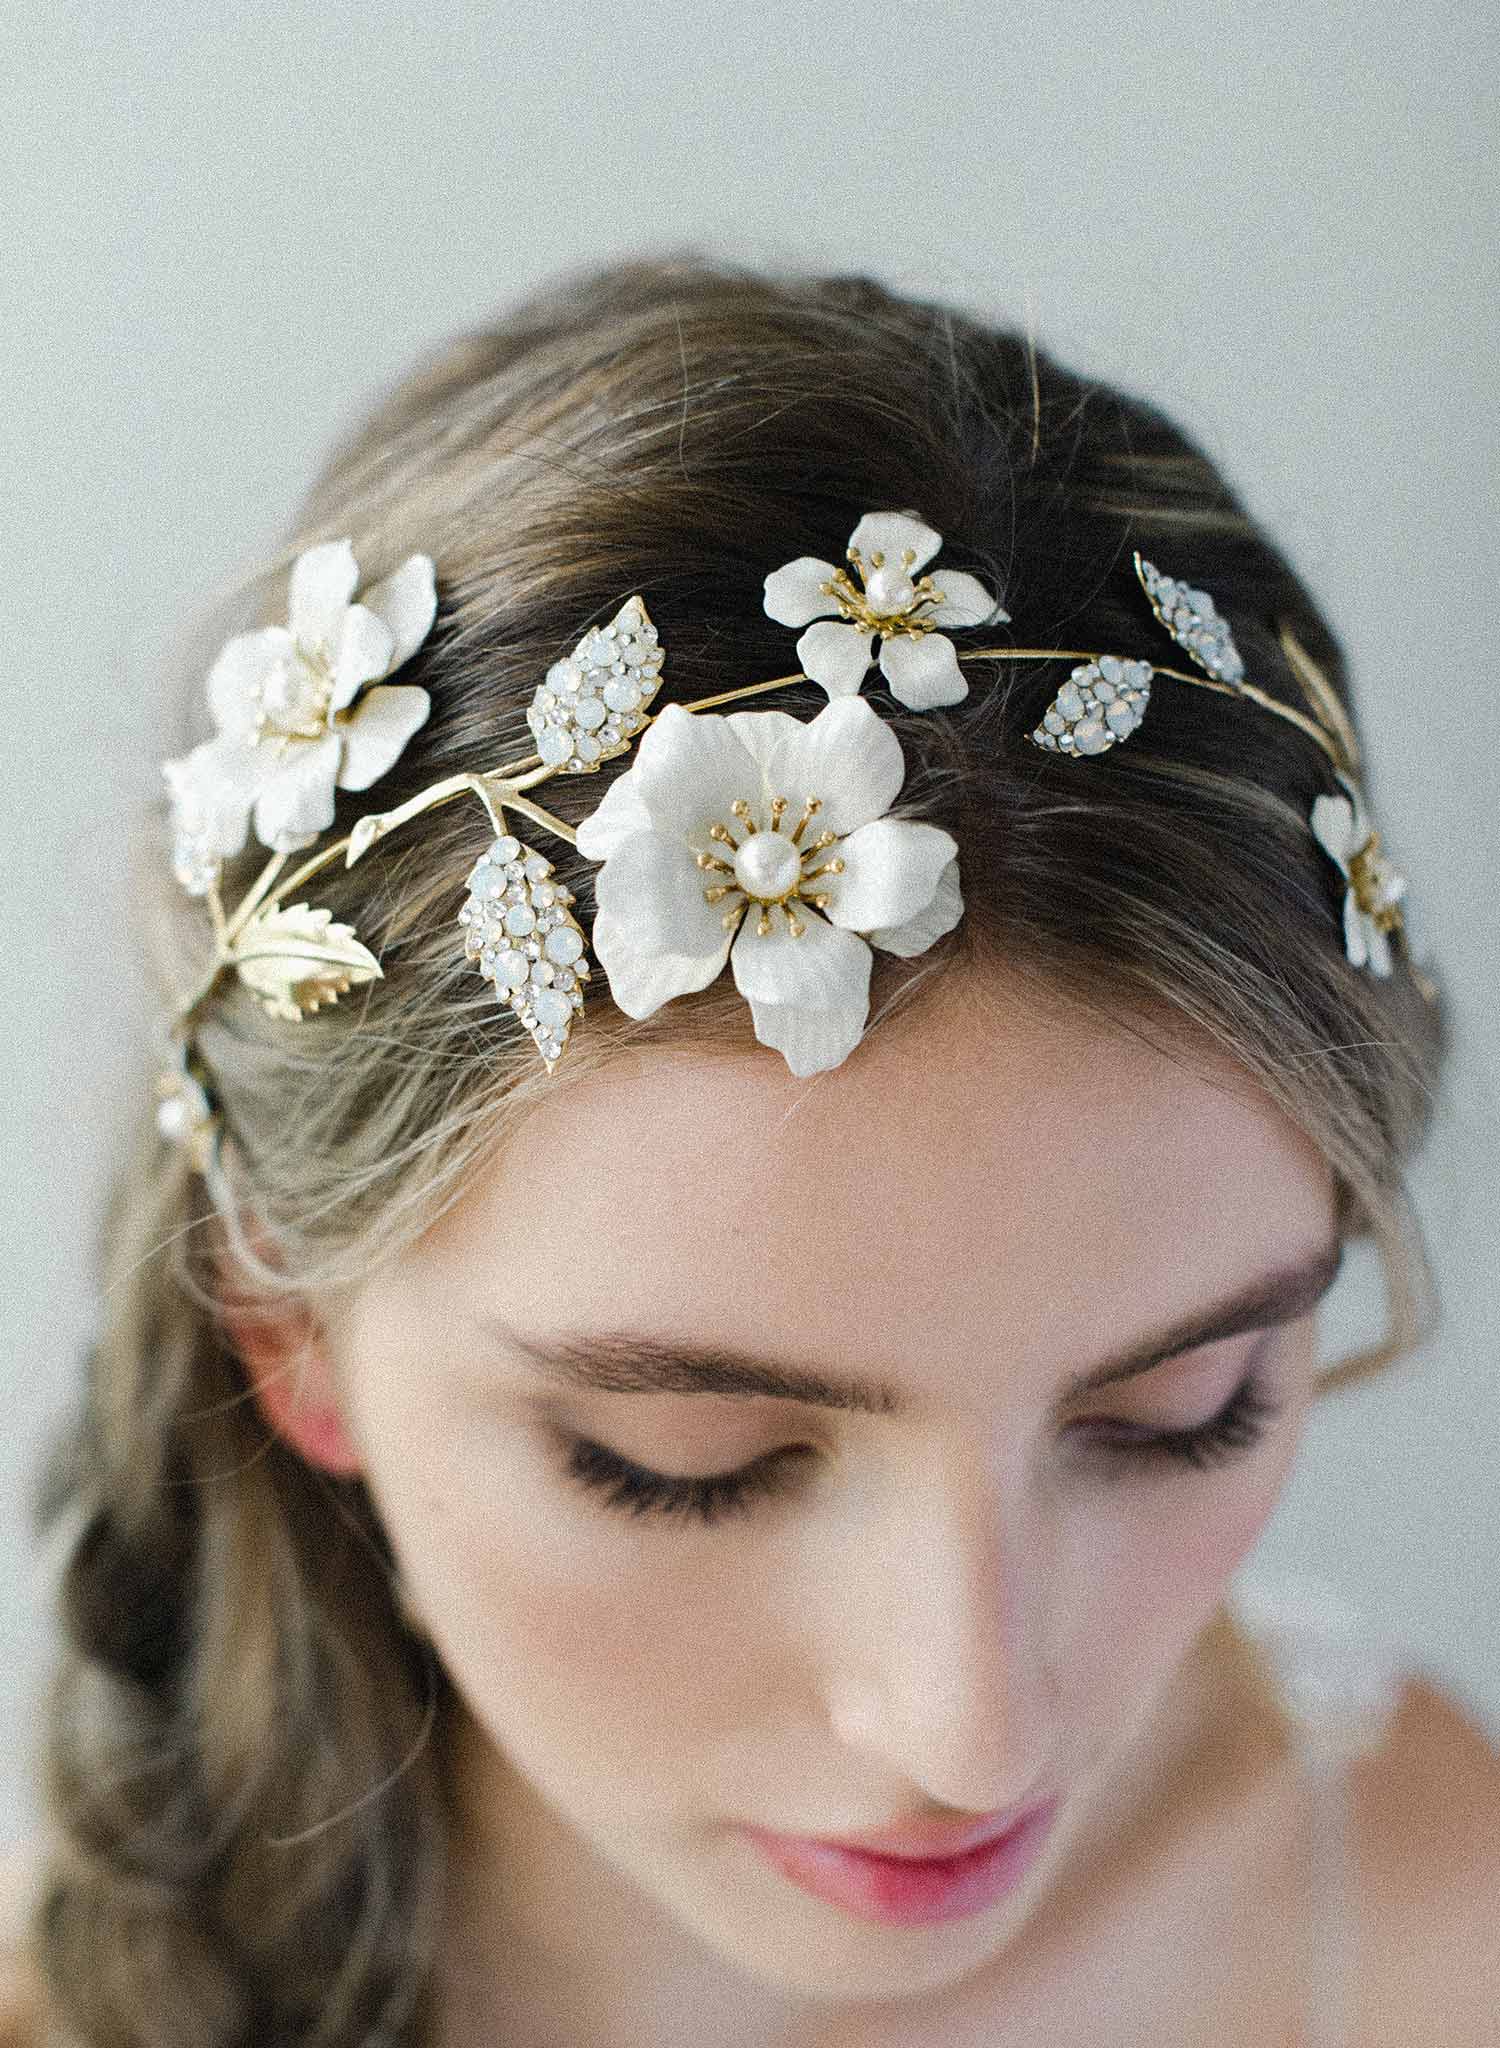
(248, 1815)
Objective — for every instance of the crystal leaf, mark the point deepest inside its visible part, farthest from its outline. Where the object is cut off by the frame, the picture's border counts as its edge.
(197, 869)
(1193, 620)
(1102, 702)
(520, 932)
(593, 704)
(296, 959)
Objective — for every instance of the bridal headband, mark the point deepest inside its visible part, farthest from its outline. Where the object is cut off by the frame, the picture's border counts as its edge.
(755, 838)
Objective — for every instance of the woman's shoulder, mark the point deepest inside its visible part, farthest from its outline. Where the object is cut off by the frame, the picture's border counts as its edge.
(20, 1983)
(1423, 1811)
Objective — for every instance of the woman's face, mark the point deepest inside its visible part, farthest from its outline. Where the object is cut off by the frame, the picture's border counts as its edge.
(963, 1593)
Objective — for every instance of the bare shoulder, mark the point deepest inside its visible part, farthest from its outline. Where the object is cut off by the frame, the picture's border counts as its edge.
(20, 1985)
(1425, 1813)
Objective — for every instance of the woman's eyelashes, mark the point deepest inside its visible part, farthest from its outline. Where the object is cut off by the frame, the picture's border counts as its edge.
(1229, 1434)
(639, 1491)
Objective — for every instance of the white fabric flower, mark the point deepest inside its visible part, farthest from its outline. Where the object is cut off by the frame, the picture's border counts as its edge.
(727, 837)
(292, 722)
(897, 603)
(1342, 828)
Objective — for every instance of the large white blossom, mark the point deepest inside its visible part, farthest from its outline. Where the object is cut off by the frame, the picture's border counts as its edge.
(294, 714)
(893, 601)
(761, 839)
(1342, 828)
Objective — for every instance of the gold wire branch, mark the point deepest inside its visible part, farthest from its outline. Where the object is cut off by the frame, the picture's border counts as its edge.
(502, 788)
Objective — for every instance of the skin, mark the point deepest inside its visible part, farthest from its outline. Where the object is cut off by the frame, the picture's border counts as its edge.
(946, 1612)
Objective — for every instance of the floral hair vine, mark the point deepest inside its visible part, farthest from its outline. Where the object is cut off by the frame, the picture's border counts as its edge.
(756, 838)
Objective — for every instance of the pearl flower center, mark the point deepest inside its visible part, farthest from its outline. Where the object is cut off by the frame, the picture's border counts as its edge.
(768, 866)
(889, 590)
(291, 702)
(890, 603)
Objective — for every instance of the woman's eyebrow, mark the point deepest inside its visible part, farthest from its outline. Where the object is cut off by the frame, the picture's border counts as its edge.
(622, 1362)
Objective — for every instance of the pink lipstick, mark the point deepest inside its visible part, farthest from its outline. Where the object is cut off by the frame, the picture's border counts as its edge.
(910, 1889)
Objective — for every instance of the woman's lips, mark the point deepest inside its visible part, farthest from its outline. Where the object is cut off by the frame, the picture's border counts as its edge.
(909, 1891)
(925, 1840)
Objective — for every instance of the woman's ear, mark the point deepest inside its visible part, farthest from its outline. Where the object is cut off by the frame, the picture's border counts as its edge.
(285, 1353)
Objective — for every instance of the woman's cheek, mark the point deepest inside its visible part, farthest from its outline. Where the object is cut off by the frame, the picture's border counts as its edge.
(531, 1590)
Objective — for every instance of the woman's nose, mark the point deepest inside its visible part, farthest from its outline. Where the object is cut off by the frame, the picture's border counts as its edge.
(939, 1663)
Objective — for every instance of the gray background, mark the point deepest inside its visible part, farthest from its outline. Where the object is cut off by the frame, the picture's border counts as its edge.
(223, 237)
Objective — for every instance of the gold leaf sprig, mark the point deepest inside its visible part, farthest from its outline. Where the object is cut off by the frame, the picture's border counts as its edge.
(296, 959)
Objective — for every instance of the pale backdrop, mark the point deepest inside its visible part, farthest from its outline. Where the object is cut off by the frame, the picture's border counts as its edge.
(227, 227)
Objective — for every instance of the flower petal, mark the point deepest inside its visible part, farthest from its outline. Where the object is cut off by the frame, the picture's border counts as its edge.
(929, 925)
(922, 673)
(823, 969)
(837, 656)
(375, 733)
(764, 734)
(242, 665)
(891, 534)
(810, 1041)
(212, 790)
(619, 814)
(848, 756)
(640, 982)
(1333, 828)
(690, 767)
(651, 891)
(891, 869)
(1355, 930)
(296, 800)
(809, 996)
(364, 653)
(795, 593)
(406, 604)
(966, 602)
(1380, 950)
(323, 582)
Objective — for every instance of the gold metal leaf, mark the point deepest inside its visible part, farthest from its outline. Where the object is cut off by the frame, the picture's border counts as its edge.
(296, 959)
(1321, 696)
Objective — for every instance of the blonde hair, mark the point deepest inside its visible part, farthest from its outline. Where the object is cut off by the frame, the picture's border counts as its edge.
(249, 1815)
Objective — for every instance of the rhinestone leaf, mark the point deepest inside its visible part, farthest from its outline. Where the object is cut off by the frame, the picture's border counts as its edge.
(1101, 703)
(1193, 620)
(594, 703)
(527, 944)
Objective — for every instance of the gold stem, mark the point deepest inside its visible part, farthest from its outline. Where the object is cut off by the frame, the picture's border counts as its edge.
(498, 787)
(749, 690)
(531, 810)
(195, 1002)
(250, 903)
(309, 868)
(1313, 730)
(1321, 695)
(216, 912)
(1310, 726)
(377, 824)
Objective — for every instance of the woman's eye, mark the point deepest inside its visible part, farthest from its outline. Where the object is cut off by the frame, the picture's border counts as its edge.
(637, 1490)
(1230, 1433)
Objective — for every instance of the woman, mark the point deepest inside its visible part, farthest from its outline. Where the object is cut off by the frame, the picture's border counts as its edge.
(715, 1281)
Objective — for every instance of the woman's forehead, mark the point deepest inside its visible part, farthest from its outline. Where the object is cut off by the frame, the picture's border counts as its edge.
(986, 1155)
